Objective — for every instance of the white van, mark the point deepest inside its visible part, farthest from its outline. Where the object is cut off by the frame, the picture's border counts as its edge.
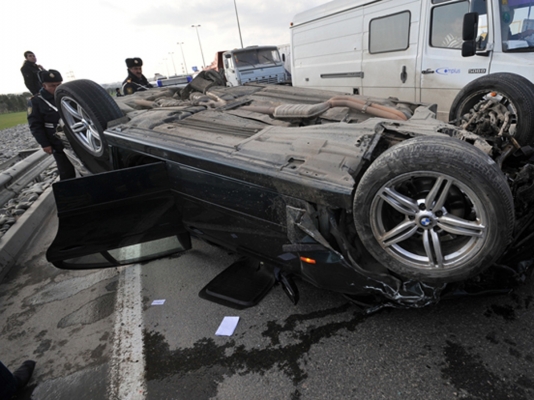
(412, 50)
(285, 54)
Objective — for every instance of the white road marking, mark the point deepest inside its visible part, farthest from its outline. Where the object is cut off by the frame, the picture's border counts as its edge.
(127, 380)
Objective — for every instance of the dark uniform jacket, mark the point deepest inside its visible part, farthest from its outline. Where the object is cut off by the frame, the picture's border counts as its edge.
(31, 79)
(133, 84)
(43, 120)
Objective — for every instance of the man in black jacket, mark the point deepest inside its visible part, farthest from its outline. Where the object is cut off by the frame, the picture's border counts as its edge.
(135, 81)
(30, 70)
(43, 118)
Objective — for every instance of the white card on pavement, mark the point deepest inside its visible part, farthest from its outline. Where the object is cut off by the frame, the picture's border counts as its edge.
(227, 326)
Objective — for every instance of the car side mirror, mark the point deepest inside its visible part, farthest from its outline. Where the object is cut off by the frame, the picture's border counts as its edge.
(469, 34)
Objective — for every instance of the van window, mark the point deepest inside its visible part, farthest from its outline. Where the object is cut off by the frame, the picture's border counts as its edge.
(447, 21)
(390, 33)
(517, 25)
(481, 8)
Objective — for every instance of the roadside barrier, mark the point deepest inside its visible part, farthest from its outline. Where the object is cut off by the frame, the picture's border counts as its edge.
(24, 207)
(14, 179)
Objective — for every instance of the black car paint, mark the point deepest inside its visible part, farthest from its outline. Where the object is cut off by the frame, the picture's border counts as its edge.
(245, 198)
(224, 208)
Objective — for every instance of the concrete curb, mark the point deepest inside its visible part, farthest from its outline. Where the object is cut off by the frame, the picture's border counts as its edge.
(25, 229)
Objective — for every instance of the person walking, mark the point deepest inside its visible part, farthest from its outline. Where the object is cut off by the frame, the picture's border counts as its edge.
(43, 118)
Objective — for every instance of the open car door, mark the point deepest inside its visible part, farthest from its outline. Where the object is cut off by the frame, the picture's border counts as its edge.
(116, 218)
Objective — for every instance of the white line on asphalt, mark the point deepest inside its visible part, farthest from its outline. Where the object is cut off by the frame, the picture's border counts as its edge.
(127, 380)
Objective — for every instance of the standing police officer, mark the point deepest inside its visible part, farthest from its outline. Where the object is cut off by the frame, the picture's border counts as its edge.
(136, 81)
(43, 118)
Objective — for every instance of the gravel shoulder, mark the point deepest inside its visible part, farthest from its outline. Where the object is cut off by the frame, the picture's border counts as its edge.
(12, 142)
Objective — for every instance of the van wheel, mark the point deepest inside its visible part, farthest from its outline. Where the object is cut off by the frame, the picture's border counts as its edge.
(434, 209)
(484, 105)
(86, 108)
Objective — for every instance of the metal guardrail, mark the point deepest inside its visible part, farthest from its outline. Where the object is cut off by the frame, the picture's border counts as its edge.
(15, 178)
(13, 160)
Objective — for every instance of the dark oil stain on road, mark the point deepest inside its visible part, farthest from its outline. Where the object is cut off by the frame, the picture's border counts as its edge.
(91, 312)
(467, 373)
(274, 328)
(31, 275)
(197, 371)
(14, 323)
(44, 346)
(507, 312)
(492, 337)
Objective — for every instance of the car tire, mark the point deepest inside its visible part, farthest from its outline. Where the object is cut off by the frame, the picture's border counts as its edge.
(517, 96)
(434, 238)
(86, 108)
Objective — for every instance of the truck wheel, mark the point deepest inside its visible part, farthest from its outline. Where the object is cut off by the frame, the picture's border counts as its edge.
(434, 209)
(514, 94)
(86, 108)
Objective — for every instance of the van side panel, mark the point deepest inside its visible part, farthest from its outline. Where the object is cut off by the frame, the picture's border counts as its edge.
(391, 30)
(518, 63)
(327, 52)
(409, 49)
(444, 72)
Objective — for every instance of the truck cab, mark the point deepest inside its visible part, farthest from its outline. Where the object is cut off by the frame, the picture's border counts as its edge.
(260, 64)
(410, 49)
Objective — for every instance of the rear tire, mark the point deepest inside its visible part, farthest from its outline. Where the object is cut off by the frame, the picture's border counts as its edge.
(434, 209)
(86, 108)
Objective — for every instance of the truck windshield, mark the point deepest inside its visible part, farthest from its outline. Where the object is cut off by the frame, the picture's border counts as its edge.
(257, 57)
(517, 25)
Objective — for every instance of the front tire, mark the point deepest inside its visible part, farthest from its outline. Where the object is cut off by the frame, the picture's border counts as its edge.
(434, 209)
(512, 93)
(86, 108)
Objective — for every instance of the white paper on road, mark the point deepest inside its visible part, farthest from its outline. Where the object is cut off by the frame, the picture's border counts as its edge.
(227, 326)
(158, 302)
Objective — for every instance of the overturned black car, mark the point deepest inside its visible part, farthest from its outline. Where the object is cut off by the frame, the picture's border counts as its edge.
(371, 198)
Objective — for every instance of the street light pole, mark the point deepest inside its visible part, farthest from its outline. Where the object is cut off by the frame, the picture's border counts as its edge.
(183, 57)
(172, 58)
(238, 26)
(167, 66)
(200, 44)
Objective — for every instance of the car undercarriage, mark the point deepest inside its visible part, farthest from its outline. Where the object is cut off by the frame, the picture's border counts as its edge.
(372, 198)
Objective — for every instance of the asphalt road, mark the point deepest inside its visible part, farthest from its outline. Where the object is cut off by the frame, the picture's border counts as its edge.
(96, 335)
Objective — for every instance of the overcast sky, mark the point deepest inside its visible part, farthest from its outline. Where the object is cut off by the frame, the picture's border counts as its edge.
(91, 39)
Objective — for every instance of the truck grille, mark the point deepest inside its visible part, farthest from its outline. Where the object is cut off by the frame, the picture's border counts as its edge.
(266, 80)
